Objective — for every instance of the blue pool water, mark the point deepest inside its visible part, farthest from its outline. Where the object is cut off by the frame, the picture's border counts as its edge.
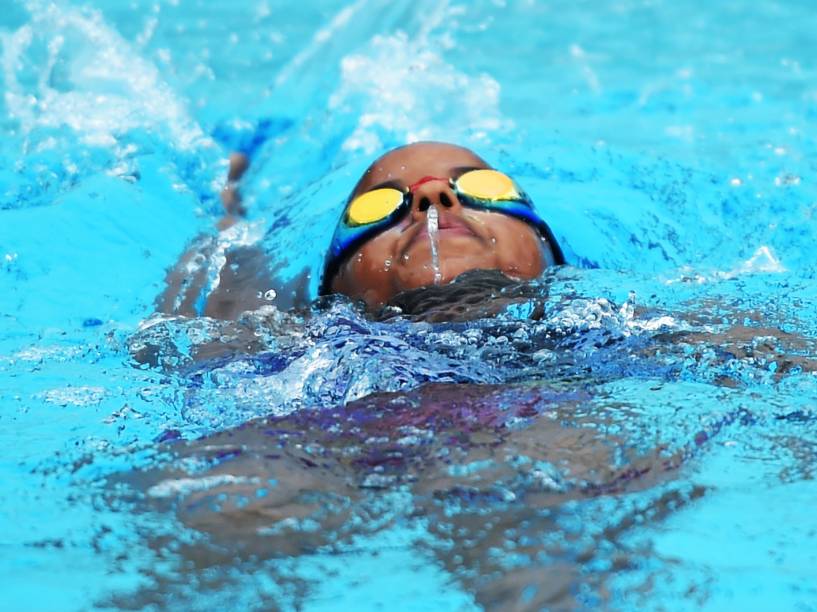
(637, 429)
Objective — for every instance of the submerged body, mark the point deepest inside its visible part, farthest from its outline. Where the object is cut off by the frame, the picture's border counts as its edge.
(486, 467)
(504, 440)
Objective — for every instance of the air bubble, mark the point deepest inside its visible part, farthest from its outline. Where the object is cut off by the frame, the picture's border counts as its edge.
(270, 295)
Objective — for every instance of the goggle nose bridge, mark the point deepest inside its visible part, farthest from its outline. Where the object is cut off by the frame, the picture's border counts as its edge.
(427, 179)
(408, 195)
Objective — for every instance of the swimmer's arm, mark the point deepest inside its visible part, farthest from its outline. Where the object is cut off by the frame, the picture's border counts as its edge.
(244, 281)
(186, 281)
(751, 335)
(230, 196)
(244, 275)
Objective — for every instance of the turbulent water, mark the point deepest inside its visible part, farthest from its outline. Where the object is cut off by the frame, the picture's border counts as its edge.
(634, 429)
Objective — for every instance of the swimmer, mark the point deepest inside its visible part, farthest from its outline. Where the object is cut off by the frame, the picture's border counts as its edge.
(420, 216)
(495, 472)
(384, 244)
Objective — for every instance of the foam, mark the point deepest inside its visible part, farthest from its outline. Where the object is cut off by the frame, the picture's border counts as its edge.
(402, 89)
(93, 81)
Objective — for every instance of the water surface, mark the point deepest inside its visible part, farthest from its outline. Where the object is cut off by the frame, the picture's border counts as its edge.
(636, 429)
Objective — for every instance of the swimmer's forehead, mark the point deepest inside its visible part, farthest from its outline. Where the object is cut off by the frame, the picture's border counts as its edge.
(407, 165)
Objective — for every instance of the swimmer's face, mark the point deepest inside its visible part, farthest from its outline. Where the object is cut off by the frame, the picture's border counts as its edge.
(400, 258)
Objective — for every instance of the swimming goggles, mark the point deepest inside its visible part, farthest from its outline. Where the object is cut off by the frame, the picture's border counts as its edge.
(375, 211)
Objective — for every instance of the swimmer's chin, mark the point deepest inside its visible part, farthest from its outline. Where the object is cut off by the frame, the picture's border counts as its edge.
(422, 274)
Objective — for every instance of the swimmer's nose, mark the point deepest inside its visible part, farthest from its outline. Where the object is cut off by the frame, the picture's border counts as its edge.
(432, 193)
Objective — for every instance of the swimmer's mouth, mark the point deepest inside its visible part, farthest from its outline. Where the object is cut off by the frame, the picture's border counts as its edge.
(447, 225)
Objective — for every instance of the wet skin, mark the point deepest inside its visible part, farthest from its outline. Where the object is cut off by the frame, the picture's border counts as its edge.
(399, 259)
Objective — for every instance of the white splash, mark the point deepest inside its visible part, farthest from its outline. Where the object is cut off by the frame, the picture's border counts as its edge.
(185, 486)
(763, 261)
(74, 396)
(581, 57)
(402, 88)
(92, 80)
(321, 38)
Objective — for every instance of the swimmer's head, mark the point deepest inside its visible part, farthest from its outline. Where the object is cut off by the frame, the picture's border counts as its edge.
(383, 247)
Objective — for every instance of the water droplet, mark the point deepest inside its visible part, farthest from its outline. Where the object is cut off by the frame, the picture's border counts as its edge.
(270, 295)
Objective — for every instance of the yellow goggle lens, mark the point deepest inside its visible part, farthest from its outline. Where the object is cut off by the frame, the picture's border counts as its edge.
(373, 206)
(487, 185)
